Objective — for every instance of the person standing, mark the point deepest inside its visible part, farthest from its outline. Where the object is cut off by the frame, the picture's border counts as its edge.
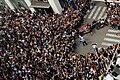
(94, 45)
(83, 40)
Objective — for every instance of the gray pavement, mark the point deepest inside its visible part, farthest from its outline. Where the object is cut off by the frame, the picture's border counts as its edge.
(98, 35)
(103, 37)
(96, 12)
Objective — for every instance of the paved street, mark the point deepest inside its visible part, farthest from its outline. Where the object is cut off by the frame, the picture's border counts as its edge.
(103, 37)
(98, 11)
(96, 37)
(112, 37)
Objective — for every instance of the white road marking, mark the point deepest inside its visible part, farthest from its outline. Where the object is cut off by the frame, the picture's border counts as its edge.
(97, 12)
(112, 40)
(102, 12)
(106, 44)
(112, 35)
(113, 31)
(93, 10)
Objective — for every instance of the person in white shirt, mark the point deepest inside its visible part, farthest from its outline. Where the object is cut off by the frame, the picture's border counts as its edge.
(94, 45)
(83, 40)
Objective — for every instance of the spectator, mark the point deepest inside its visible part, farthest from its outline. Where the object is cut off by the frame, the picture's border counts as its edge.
(83, 40)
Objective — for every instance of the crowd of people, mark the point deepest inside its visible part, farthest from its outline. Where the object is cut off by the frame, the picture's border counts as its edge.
(113, 14)
(35, 43)
(38, 46)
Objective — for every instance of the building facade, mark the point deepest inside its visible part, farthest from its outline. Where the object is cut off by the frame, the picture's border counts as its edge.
(32, 5)
(45, 6)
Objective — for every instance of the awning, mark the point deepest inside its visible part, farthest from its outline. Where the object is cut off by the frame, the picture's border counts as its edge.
(40, 5)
